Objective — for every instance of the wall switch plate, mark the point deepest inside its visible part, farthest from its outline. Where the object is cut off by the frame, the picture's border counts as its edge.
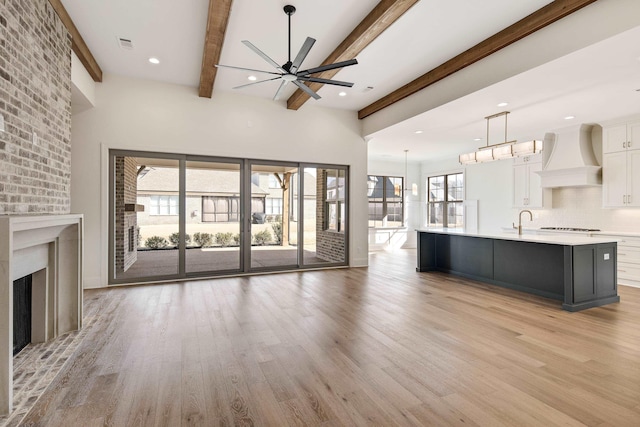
(35, 138)
(606, 257)
(1, 123)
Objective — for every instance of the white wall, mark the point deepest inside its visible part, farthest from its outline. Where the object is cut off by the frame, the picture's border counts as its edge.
(151, 116)
(488, 183)
(406, 236)
(83, 88)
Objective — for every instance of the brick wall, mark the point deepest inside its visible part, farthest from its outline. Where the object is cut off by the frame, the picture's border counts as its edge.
(35, 96)
(126, 246)
(329, 244)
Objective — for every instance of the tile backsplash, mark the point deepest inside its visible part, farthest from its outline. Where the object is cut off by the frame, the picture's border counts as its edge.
(582, 207)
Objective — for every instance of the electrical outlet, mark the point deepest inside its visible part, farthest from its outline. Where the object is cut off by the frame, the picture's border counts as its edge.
(1, 123)
(35, 138)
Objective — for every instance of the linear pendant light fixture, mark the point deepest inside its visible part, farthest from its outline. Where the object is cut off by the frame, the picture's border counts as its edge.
(502, 150)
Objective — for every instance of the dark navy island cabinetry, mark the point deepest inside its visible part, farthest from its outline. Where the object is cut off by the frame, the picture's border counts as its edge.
(579, 271)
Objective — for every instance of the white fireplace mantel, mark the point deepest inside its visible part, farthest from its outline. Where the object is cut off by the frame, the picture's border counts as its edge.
(52, 246)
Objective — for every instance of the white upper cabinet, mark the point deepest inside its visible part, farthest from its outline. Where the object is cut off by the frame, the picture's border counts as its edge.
(621, 138)
(621, 166)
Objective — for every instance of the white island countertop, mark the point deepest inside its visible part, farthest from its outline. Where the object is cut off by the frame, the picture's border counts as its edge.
(551, 239)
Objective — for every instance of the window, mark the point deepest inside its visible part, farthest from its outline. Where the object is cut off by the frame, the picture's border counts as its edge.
(385, 201)
(273, 206)
(445, 194)
(334, 200)
(163, 205)
(220, 209)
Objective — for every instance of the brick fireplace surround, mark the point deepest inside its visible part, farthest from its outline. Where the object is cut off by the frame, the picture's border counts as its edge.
(50, 247)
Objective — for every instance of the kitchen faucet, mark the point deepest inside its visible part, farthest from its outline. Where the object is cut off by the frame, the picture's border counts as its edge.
(519, 227)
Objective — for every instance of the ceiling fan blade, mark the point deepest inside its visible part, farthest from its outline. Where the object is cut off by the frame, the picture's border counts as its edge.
(307, 89)
(280, 89)
(246, 69)
(304, 51)
(327, 67)
(325, 81)
(255, 83)
(264, 56)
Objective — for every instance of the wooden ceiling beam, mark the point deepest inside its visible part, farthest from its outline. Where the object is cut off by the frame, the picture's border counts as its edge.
(217, 20)
(379, 19)
(78, 45)
(539, 19)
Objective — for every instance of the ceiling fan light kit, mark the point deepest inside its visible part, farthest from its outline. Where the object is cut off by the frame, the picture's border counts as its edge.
(288, 72)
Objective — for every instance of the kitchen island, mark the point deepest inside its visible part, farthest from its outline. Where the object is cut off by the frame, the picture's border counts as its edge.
(580, 271)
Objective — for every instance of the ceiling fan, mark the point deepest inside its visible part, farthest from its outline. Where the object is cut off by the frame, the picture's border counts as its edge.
(289, 72)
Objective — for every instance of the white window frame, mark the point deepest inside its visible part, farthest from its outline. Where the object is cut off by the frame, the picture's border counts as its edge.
(446, 202)
(160, 205)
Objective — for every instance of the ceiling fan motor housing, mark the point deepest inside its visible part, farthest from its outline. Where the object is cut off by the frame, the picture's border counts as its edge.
(289, 72)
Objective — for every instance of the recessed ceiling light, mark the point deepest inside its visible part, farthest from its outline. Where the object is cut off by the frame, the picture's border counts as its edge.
(418, 131)
(570, 117)
(503, 104)
(252, 78)
(477, 139)
(154, 60)
(342, 94)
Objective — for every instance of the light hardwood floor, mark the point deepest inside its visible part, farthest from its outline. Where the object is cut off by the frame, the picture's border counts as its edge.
(382, 345)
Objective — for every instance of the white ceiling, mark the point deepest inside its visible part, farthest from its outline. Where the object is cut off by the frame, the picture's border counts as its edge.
(594, 84)
(431, 32)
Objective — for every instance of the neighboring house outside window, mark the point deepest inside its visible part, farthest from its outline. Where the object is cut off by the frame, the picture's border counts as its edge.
(163, 205)
(445, 195)
(385, 201)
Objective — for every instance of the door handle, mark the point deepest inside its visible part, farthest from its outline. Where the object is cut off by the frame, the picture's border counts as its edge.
(629, 198)
(628, 144)
(624, 200)
(624, 145)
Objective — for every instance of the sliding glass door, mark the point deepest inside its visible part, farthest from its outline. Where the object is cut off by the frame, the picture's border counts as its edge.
(324, 207)
(212, 223)
(274, 221)
(175, 216)
(145, 217)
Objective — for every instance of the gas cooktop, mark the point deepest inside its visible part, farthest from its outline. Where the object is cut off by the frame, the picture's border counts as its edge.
(568, 229)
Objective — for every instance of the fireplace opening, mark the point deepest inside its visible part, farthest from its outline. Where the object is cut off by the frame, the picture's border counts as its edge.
(22, 298)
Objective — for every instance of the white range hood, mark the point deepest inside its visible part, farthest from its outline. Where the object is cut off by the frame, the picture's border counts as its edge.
(572, 161)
